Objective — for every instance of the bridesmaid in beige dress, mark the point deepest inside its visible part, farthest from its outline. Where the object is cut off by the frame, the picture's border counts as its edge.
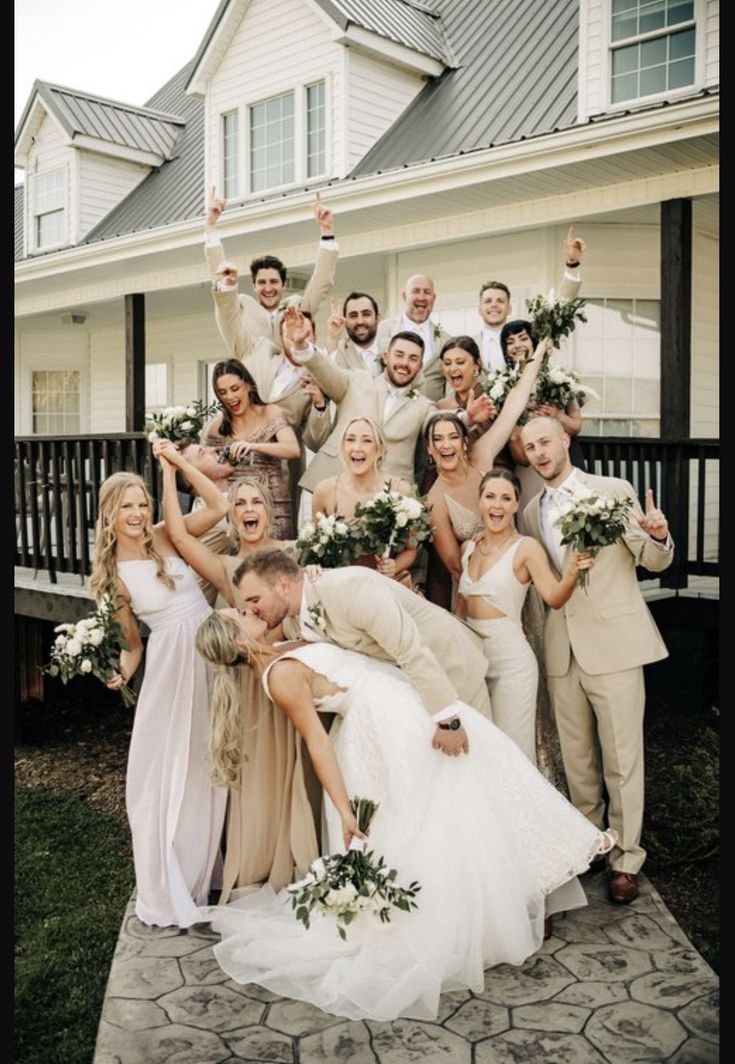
(257, 436)
(274, 798)
(362, 449)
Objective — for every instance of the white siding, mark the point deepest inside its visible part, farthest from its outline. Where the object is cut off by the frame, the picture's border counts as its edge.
(279, 45)
(103, 183)
(712, 44)
(378, 94)
(107, 379)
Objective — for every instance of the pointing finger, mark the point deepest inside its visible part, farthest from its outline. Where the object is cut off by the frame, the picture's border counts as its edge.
(650, 504)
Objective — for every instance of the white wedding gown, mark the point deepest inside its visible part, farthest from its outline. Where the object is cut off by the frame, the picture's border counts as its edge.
(485, 834)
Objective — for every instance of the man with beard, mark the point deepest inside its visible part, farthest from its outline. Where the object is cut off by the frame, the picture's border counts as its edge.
(359, 349)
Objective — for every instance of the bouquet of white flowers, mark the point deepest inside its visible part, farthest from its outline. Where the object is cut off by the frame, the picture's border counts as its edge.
(559, 386)
(92, 645)
(329, 541)
(554, 317)
(391, 521)
(591, 523)
(346, 884)
(499, 385)
(179, 423)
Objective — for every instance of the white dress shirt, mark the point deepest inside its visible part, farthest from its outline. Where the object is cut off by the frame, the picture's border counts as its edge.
(287, 376)
(554, 503)
(371, 358)
(491, 351)
(394, 394)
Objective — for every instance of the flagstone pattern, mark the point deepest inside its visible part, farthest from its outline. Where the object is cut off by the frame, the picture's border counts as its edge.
(613, 984)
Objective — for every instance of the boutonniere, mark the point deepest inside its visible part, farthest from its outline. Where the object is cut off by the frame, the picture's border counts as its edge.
(436, 330)
(318, 619)
(413, 394)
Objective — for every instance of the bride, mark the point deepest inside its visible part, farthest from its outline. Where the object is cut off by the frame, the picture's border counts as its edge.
(485, 834)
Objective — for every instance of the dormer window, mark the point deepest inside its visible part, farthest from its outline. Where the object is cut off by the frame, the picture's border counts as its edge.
(49, 209)
(284, 142)
(653, 48)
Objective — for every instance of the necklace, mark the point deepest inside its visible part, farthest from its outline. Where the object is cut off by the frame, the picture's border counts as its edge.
(496, 548)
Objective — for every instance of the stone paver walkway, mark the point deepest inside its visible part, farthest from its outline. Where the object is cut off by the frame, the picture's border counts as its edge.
(617, 984)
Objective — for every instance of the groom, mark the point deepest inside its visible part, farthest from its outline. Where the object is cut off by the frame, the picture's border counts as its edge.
(359, 609)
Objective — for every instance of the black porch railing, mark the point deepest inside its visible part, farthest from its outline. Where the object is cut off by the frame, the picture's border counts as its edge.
(57, 483)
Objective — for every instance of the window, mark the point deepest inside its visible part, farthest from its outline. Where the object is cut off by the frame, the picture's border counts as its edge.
(315, 130)
(272, 155)
(49, 213)
(156, 385)
(618, 354)
(55, 402)
(653, 47)
(230, 155)
(206, 392)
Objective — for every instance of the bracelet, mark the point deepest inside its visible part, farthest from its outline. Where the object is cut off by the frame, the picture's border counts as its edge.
(572, 265)
(328, 236)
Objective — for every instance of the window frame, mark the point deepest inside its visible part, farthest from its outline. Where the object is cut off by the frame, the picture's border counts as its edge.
(57, 368)
(49, 210)
(697, 23)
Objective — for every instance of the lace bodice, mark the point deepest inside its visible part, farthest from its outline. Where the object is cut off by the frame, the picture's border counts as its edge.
(155, 604)
(498, 584)
(464, 522)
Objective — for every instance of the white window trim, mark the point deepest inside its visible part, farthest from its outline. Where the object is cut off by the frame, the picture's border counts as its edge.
(700, 24)
(323, 173)
(33, 215)
(300, 143)
(54, 366)
(221, 147)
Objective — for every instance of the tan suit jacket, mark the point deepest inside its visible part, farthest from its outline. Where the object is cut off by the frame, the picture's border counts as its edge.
(357, 394)
(370, 613)
(610, 628)
(241, 319)
(348, 356)
(432, 382)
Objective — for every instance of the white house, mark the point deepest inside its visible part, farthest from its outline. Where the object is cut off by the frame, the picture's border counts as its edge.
(459, 137)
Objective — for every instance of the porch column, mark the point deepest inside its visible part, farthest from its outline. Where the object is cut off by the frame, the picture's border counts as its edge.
(134, 362)
(676, 372)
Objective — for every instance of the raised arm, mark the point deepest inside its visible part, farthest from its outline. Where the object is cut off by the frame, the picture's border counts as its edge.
(290, 689)
(333, 380)
(485, 450)
(571, 281)
(321, 281)
(202, 560)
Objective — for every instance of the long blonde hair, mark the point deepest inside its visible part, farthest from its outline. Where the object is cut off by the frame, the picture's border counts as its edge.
(216, 640)
(265, 495)
(104, 562)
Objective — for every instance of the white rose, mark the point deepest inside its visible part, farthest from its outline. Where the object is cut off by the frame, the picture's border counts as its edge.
(180, 410)
(333, 899)
(558, 376)
(319, 868)
(341, 528)
(324, 540)
(73, 648)
(96, 637)
(187, 426)
(496, 391)
(153, 436)
(63, 628)
(349, 892)
(191, 411)
(412, 507)
(60, 640)
(401, 520)
(86, 666)
(308, 530)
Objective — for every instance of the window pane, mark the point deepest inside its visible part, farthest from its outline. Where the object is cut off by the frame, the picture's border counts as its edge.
(230, 154)
(679, 12)
(156, 385)
(624, 26)
(653, 52)
(624, 5)
(681, 74)
(271, 143)
(315, 119)
(681, 45)
(653, 80)
(625, 60)
(653, 17)
(55, 403)
(49, 191)
(625, 87)
(50, 229)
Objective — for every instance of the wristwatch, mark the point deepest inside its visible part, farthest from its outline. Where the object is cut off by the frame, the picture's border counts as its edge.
(450, 725)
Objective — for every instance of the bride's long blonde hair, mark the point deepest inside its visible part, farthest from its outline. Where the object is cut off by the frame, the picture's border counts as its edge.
(104, 561)
(216, 640)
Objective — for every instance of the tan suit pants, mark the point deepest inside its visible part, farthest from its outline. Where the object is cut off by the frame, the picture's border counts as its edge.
(600, 722)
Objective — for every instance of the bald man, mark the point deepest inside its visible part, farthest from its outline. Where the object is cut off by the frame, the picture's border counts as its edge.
(418, 297)
(596, 647)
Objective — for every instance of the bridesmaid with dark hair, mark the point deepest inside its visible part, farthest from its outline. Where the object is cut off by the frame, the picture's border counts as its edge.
(255, 437)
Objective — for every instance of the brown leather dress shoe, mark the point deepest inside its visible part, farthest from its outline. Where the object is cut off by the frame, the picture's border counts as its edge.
(548, 927)
(623, 887)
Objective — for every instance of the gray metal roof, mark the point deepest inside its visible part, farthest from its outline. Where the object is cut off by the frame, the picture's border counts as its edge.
(81, 113)
(173, 191)
(516, 77)
(408, 22)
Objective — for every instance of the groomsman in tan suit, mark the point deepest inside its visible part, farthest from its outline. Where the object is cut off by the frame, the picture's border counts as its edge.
(494, 307)
(596, 647)
(392, 400)
(419, 296)
(360, 348)
(359, 609)
(255, 318)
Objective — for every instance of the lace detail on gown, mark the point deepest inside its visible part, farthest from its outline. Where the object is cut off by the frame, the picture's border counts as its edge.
(464, 522)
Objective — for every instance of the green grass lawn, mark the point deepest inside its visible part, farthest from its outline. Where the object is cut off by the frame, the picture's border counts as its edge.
(73, 877)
